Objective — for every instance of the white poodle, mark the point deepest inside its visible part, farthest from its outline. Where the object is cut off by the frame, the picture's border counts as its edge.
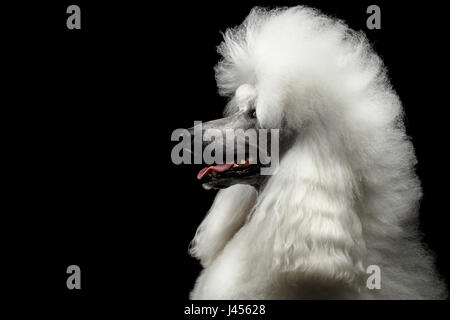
(345, 195)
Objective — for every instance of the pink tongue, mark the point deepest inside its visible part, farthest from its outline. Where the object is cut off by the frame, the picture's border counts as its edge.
(216, 168)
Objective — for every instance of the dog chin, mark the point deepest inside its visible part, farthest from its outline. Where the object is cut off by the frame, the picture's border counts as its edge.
(216, 184)
(209, 186)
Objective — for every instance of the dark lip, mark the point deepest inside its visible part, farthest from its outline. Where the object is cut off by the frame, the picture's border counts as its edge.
(250, 170)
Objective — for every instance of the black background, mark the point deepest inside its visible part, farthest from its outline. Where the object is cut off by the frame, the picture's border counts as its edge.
(92, 111)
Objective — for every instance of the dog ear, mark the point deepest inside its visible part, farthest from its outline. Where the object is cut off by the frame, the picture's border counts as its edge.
(227, 214)
(308, 217)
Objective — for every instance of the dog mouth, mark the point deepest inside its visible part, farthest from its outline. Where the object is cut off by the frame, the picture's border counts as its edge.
(223, 175)
(220, 169)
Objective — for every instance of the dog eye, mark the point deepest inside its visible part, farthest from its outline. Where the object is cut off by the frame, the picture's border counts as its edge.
(252, 114)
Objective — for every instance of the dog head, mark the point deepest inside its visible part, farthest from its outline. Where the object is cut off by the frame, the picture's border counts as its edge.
(249, 148)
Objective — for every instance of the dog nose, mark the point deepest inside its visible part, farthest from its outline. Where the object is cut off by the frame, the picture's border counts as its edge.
(195, 134)
(198, 129)
(191, 131)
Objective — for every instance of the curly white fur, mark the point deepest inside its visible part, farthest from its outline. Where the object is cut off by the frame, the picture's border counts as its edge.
(345, 195)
